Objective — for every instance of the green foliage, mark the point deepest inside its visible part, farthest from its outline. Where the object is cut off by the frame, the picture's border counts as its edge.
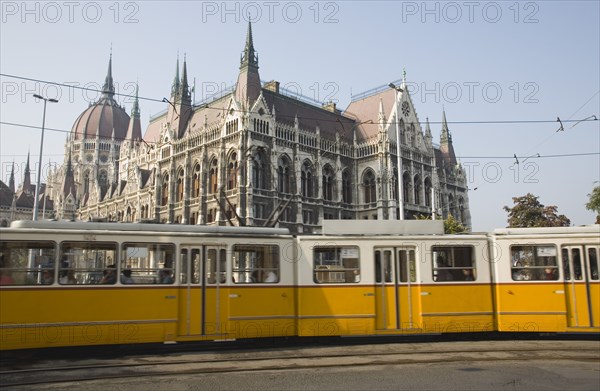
(594, 203)
(528, 211)
(453, 226)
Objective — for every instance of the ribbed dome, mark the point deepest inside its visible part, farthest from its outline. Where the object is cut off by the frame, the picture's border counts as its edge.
(103, 117)
(100, 119)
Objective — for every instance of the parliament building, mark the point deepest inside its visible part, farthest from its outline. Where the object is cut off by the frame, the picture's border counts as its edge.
(257, 155)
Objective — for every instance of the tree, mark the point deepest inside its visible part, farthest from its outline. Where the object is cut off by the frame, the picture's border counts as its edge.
(451, 225)
(528, 211)
(594, 203)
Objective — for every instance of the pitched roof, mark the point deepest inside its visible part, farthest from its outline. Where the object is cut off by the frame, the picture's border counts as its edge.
(309, 116)
(367, 110)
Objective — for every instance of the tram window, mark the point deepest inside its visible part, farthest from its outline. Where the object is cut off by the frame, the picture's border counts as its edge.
(576, 264)
(147, 263)
(453, 263)
(27, 263)
(336, 264)
(533, 263)
(88, 263)
(255, 264)
(593, 259)
(183, 258)
(383, 265)
(214, 268)
(194, 260)
(407, 266)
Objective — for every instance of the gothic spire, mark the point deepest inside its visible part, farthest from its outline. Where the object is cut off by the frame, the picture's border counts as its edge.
(27, 177)
(428, 136)
(108, 89)
(135, 110)
(248, 84)
(427, 128)
(445, 137)
(134, 131)
(381, 116)
(185, 89)
(69, 180)
(446, 147)
(175, 86)
(249, 56)
(11, 180)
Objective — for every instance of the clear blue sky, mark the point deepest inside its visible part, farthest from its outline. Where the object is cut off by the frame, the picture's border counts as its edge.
(481, 61)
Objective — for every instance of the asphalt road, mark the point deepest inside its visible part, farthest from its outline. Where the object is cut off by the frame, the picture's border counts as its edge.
(482, 365)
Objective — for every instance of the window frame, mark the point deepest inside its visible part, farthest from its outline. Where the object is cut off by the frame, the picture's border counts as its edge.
(87, 275)
(334, 270)
(453, 265)
(522, 269)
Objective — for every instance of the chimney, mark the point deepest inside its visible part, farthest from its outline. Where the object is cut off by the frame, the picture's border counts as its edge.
(272, 86)
(330, 106)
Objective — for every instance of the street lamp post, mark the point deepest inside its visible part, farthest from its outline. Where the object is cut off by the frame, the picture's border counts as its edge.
(39, 173)
(398, 157)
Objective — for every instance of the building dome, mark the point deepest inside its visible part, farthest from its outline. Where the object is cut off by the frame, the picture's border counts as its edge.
(103, 118)
(100, 120)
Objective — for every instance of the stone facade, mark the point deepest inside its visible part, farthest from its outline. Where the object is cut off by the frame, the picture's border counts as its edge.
(256, 155)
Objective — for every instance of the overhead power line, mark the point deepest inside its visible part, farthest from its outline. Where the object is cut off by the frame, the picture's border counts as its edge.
(207, 106)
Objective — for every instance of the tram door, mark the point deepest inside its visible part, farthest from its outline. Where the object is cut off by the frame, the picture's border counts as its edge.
(397, 303)
(202, 307)
(580, 268)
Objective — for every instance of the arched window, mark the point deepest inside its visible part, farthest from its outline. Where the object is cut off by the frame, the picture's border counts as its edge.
(402, 132)
(232, 168)
(196, 180)
(451, 205)
(417, 189)
(328, 183)
(86, 182)
(461, 209)
(213, 176)
(283, 175)
(259, 171)
(346, 187)
(406, 187)
(165, 190)
(370, 187)
(306, 180)
(103, 178)
(180, 183)
(427, 192)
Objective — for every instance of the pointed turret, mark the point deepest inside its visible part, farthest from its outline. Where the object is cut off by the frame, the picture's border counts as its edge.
(248, 83)
(184, 89)
(249, 56)
(446, 147)
(108, 89)
(11, 180)
(428, 136)
(175, 86)
(381, 116)
(134, 131)
(180, 104)
(69, 180)
(27, 178)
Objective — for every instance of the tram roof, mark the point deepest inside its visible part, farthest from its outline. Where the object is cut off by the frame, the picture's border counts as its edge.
(147, 227)
(383, 227)
(583, 229)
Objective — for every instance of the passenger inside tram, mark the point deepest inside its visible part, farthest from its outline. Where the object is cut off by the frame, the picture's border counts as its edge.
(110, 275)
(165, 277)
(5, 278)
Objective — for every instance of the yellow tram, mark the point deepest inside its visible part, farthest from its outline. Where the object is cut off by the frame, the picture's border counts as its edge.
(85, 283)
